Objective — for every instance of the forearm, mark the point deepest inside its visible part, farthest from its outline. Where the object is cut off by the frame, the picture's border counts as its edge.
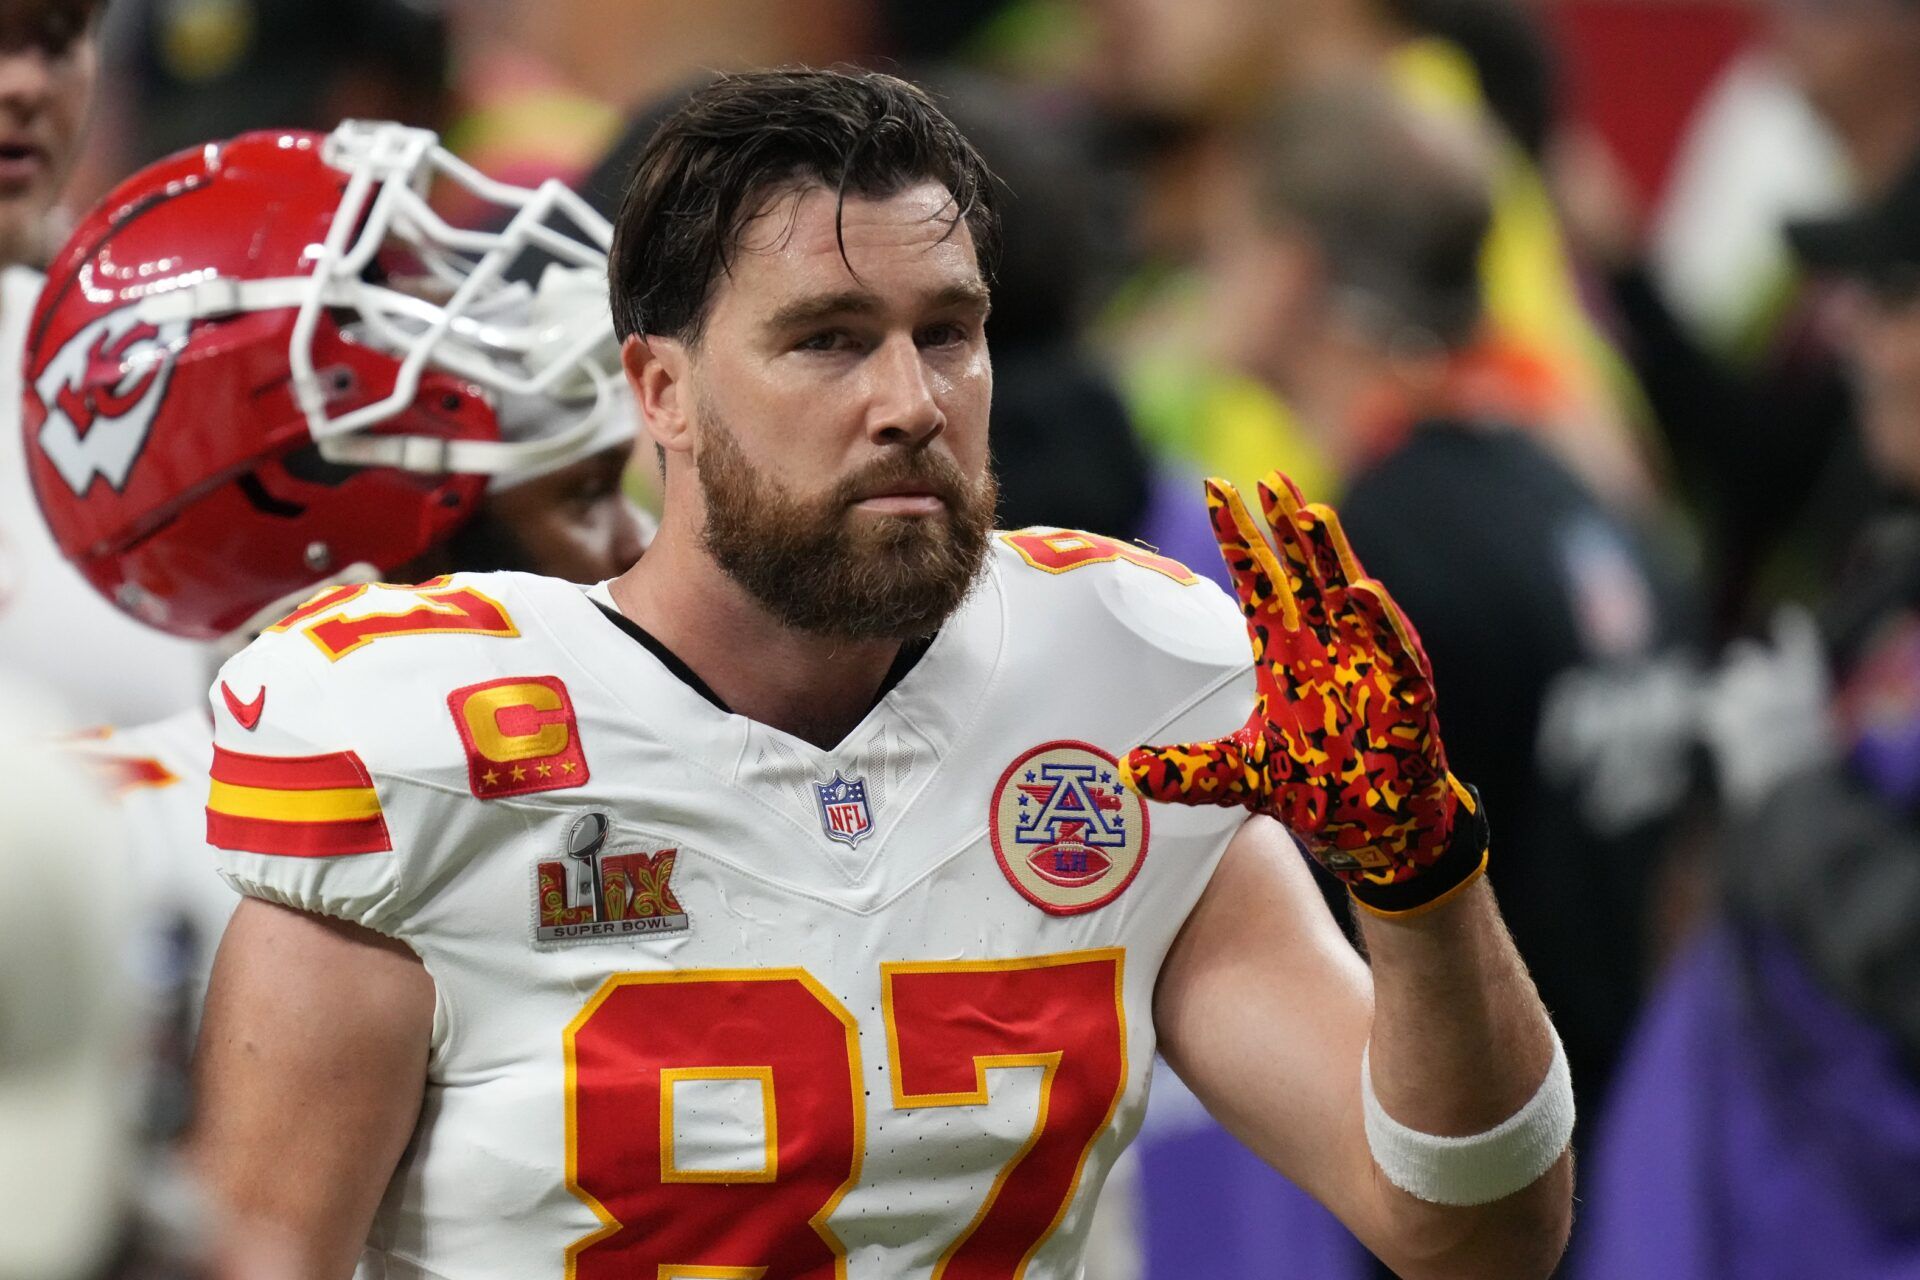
(1460, 1043)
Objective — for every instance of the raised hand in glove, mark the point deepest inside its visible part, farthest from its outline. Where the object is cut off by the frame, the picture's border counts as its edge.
(1342, 746)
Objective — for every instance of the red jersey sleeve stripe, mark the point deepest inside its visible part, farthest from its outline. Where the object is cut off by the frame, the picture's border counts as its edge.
(298, 839)
(329, 772)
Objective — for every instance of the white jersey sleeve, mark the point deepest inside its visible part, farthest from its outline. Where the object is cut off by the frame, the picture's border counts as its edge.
(337, 779)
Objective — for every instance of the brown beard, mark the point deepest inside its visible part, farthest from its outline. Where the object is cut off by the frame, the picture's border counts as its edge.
(816, 568)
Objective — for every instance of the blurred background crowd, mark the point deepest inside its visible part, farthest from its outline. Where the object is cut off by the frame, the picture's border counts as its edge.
(1598, 319)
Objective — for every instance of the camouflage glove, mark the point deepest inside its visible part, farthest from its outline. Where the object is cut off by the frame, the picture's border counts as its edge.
(1342, 746)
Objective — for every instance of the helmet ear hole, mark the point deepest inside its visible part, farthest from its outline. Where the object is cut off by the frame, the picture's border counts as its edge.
(261, 500)
(306, 464)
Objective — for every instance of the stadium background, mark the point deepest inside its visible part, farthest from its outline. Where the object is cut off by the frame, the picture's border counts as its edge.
(1649, 328)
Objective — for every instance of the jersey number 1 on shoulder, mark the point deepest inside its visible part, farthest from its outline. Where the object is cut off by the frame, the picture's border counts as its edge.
(783, 1045)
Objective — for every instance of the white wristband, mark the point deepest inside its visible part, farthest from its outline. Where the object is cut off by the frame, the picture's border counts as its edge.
(1481, 1167)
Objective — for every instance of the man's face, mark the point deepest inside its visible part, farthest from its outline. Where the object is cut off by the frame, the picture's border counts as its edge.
(47, 66)
(840, 412)
(575, 523)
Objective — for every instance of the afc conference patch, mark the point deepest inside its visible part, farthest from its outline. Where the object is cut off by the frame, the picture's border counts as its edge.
(844, 814)
(1065, 829)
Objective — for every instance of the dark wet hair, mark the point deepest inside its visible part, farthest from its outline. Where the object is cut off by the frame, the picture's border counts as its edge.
(52, 26)
(715, 162)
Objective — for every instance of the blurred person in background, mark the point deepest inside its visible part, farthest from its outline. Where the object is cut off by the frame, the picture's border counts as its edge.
(48, 62)
(1359, 301)
(86, 1193)
(231, 511)
(1767, 1123)
(54, 631)
(1736, 353)
(1177, 77)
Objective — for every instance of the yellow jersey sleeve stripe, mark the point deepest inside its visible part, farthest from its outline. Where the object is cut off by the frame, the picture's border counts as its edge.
(340, 804)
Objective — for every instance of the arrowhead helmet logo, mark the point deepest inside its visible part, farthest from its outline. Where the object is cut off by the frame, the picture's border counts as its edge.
(96, 423)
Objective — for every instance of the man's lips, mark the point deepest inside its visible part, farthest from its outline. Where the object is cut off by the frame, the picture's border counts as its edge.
(904, 502)
(21, 162)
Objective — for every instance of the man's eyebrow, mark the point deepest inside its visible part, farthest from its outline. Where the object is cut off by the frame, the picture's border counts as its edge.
(805, 311)
(854, 302)
(972, 294)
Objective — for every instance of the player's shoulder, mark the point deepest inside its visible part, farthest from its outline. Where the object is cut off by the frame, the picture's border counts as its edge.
(381, 652)
(1117, 600)
(342, 768)
(389, 684)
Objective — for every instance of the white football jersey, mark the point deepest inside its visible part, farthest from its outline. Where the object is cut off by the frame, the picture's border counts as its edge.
(713, 1001)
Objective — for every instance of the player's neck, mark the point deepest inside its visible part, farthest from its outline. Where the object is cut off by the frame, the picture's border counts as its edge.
(816, 688)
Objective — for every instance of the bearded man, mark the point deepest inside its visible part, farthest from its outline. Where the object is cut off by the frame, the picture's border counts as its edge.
(792, 905)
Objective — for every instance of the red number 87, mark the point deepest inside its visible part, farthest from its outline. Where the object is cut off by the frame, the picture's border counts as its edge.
(947, 1023)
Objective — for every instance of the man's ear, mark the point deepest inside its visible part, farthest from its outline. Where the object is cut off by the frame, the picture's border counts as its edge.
(657, 369)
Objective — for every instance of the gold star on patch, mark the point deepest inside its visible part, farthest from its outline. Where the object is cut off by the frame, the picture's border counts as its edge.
(544, 770)
(490, 777)
(566, 766)
(519, 774)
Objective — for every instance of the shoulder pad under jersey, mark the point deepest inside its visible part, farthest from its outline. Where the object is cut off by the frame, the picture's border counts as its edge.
(344, 737)
(1164, 636)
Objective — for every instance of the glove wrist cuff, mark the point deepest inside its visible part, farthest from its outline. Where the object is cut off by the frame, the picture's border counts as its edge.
(1463, 862)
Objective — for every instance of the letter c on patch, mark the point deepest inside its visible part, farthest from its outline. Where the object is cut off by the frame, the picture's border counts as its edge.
(520, 734)
(519, 721)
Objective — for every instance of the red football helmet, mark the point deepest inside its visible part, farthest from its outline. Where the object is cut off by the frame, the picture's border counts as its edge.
(266, 364)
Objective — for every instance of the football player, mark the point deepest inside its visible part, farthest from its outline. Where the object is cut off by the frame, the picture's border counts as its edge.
(179, 472)
(54, 632)
(797, 903)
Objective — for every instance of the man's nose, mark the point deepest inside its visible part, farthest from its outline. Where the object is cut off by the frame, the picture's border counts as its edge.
(26, 80)
(903, 408)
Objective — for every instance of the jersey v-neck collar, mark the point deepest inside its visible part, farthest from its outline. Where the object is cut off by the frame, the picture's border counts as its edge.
(935, 696)
(903, 662)
(931, 718)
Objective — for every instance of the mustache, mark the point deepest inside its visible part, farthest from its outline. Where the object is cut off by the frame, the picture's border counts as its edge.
(925, 471)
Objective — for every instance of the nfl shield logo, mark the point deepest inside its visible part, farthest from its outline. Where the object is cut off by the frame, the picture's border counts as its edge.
(843, 809)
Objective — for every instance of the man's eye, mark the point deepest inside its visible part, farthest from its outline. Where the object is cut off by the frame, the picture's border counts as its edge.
(942, 335)
(831, 340)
